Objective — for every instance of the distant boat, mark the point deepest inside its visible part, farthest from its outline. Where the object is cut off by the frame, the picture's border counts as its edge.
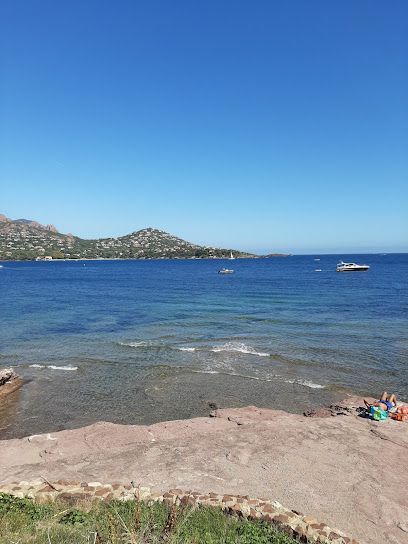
(225, 271)
(318, 270)
(351, 267)
(231, 256)
(316, 259)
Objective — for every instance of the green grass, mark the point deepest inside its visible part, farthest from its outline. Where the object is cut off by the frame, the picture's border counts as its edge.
(23, 521)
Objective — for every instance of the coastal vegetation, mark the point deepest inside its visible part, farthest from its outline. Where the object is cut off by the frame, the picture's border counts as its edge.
(131, 522)
(23, 239)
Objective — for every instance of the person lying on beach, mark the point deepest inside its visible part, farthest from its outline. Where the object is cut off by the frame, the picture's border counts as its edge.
(385, 403)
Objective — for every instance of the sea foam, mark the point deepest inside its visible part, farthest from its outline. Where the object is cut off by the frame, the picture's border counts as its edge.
(306, 383)
(133, 344)
(239, 347)
(54, 367)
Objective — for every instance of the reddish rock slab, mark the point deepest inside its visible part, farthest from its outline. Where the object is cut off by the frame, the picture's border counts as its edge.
(310, 465)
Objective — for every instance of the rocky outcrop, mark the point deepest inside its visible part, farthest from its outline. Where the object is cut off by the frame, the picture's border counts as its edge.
(349, 407)
(51, 228)
(6, 375)
(9, 381)
(330, 468)
(34, 224)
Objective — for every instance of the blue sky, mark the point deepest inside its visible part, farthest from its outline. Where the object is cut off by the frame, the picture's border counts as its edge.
(264, 125)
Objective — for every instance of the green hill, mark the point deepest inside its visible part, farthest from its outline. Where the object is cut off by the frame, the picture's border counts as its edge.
(24, 239)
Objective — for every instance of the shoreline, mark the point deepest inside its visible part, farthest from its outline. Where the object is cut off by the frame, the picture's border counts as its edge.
(202, 392)
(328, 466)
(269, 256)
(274, 256)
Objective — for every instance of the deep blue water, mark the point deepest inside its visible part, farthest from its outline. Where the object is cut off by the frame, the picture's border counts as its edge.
(154, 340)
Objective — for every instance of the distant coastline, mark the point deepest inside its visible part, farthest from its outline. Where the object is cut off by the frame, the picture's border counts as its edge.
(274, 256)
(27, 240)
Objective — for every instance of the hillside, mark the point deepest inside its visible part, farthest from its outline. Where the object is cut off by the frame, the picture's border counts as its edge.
(24, 239)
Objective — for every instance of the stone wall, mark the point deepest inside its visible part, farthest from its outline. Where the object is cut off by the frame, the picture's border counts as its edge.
(305, 528)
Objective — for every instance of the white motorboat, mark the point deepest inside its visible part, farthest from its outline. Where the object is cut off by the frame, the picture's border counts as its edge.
(225, 271)
(351, 267)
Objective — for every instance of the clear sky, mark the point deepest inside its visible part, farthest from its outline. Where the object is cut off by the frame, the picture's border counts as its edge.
(261, 125)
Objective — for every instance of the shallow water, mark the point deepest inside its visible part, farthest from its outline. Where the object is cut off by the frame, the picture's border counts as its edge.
(144, 341)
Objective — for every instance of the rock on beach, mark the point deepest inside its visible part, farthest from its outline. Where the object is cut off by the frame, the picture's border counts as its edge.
(9, 381)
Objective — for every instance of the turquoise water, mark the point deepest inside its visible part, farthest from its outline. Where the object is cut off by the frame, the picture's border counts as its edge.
(144, 341)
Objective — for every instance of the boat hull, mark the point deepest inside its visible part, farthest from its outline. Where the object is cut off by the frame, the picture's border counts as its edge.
(359, 269)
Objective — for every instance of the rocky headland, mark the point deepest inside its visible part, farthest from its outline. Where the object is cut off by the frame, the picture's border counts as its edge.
(338, 467)
(24, 239)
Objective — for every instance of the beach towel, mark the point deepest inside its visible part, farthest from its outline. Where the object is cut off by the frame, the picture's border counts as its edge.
(400, 414)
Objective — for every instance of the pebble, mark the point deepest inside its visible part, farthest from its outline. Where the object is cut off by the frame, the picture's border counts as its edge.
(403, 527)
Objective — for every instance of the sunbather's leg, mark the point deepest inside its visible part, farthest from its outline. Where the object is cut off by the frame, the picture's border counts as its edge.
(376, 403)
(384, 396)
(393, 399)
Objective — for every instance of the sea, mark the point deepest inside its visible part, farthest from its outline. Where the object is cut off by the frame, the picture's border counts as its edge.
(137, 342)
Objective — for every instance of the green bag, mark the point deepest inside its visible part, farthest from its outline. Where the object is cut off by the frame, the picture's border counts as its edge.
(378, 413)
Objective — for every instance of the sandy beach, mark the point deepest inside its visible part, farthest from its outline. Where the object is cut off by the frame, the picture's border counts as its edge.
(342, 469)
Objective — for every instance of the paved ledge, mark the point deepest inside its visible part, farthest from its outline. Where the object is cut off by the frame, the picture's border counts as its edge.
(335, 466)
(305, 528)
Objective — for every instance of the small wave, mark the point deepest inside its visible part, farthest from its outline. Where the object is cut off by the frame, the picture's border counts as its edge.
(306, 383)
(186, 349)
(211, 372)
(240, 348)
(133, 344)
(312, 385)
(54, 367)
(235, 374)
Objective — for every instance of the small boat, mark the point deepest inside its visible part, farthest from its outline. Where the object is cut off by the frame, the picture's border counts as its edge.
(225, 271)
(318, 270)
(316, 259)
(351, 267)
(231, 256)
